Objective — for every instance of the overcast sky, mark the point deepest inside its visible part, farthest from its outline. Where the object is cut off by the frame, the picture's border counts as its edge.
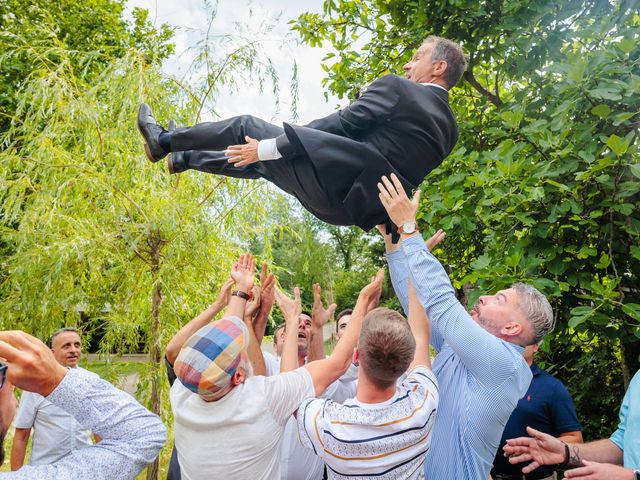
(189, 18)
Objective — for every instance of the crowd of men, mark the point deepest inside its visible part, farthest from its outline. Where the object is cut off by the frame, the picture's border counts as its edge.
(378, 406)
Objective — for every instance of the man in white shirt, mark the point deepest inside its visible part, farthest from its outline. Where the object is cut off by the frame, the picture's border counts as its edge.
(228, 423)
(55, 432)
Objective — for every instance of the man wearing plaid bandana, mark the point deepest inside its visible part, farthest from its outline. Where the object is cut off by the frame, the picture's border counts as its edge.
(228, 423)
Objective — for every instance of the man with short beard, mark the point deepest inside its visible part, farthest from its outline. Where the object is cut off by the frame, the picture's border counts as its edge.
(480, 368)
(55, 432)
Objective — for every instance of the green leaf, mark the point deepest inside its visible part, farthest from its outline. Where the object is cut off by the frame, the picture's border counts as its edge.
(603, 110)
(581, 311)
(635, 252)
(632, 309)
(481, 263)
(575, 321)
(635, 169)
(617, 145)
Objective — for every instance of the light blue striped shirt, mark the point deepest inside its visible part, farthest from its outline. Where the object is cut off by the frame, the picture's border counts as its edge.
(481, 377)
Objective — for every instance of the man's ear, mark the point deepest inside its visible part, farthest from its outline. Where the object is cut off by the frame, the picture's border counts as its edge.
(440, 67)
(239, 377)
(511, 329)
(356, 356)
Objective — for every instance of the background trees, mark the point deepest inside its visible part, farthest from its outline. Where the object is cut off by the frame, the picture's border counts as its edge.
(543, 185)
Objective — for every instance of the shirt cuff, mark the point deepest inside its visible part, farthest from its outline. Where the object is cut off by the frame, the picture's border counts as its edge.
(268, 150)
(413, 244)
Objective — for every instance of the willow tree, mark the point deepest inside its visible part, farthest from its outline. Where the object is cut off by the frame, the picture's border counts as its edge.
(95, 236)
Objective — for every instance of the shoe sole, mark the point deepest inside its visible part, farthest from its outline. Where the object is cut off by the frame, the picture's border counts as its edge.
(170, 164)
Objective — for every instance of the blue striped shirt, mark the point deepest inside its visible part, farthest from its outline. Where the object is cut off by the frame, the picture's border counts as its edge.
(481, 377)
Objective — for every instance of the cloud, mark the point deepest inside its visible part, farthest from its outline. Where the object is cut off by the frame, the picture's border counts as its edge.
(189, 18)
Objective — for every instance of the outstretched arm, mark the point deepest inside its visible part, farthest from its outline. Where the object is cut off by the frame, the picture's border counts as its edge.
(267, 297)
(543, 449)
(325, 372)
(132, 436)
(480, 351)
(399, 274)
(242, 273)
(291, 309)
(175, 344)
(319, 316)
(419, 323)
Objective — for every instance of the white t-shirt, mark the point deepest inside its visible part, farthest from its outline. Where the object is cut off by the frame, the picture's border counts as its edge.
(387, 440)
(297, 462)
(238, 436)
(55, 432)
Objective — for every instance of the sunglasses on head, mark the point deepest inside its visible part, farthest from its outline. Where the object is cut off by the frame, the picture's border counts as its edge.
(3, 373)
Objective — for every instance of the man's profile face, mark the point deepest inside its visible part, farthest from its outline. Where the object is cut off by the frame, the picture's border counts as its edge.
(67, 348)
(420, 68)
(492, 312)
(342, 325)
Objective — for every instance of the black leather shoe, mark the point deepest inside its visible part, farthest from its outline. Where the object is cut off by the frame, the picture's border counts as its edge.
(150, 130)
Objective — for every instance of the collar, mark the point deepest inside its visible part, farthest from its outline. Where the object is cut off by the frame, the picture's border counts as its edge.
(435, 85)
(535, 369)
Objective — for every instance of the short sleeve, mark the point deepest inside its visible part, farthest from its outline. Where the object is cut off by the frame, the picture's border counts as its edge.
(29, 404)
(563, 412)
(285, 392)
(308, 416)
(618, 435)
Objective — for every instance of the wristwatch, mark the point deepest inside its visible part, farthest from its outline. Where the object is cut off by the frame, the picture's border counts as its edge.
(407, 227)
(636, 474)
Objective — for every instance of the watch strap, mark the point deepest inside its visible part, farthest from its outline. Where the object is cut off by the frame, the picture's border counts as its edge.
(241, 294)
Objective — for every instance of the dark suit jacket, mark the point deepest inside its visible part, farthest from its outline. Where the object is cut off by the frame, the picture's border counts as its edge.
(395, 126)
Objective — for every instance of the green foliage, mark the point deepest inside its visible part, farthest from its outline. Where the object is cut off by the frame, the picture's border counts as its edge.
(543, 184)
(91, 33)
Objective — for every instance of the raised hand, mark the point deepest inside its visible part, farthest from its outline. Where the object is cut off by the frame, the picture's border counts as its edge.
(395, 201)
(291, 308)
(320, 315)
(539, 449)
(253, 305)
(225, 294)
(31, 364)
(267, 294)
(369, 294)
(243, 271)
(242, 155)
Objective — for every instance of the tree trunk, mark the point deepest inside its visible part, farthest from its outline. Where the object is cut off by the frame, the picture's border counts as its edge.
(630, 361)
(155, 350)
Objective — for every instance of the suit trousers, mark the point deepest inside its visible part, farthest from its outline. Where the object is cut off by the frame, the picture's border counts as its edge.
(294, 173)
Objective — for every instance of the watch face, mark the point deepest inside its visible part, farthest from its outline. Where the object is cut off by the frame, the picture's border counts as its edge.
(409, 227)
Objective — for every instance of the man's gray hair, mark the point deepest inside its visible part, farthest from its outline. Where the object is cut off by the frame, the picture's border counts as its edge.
(536, 309)
(450, 52)
(62, 330)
